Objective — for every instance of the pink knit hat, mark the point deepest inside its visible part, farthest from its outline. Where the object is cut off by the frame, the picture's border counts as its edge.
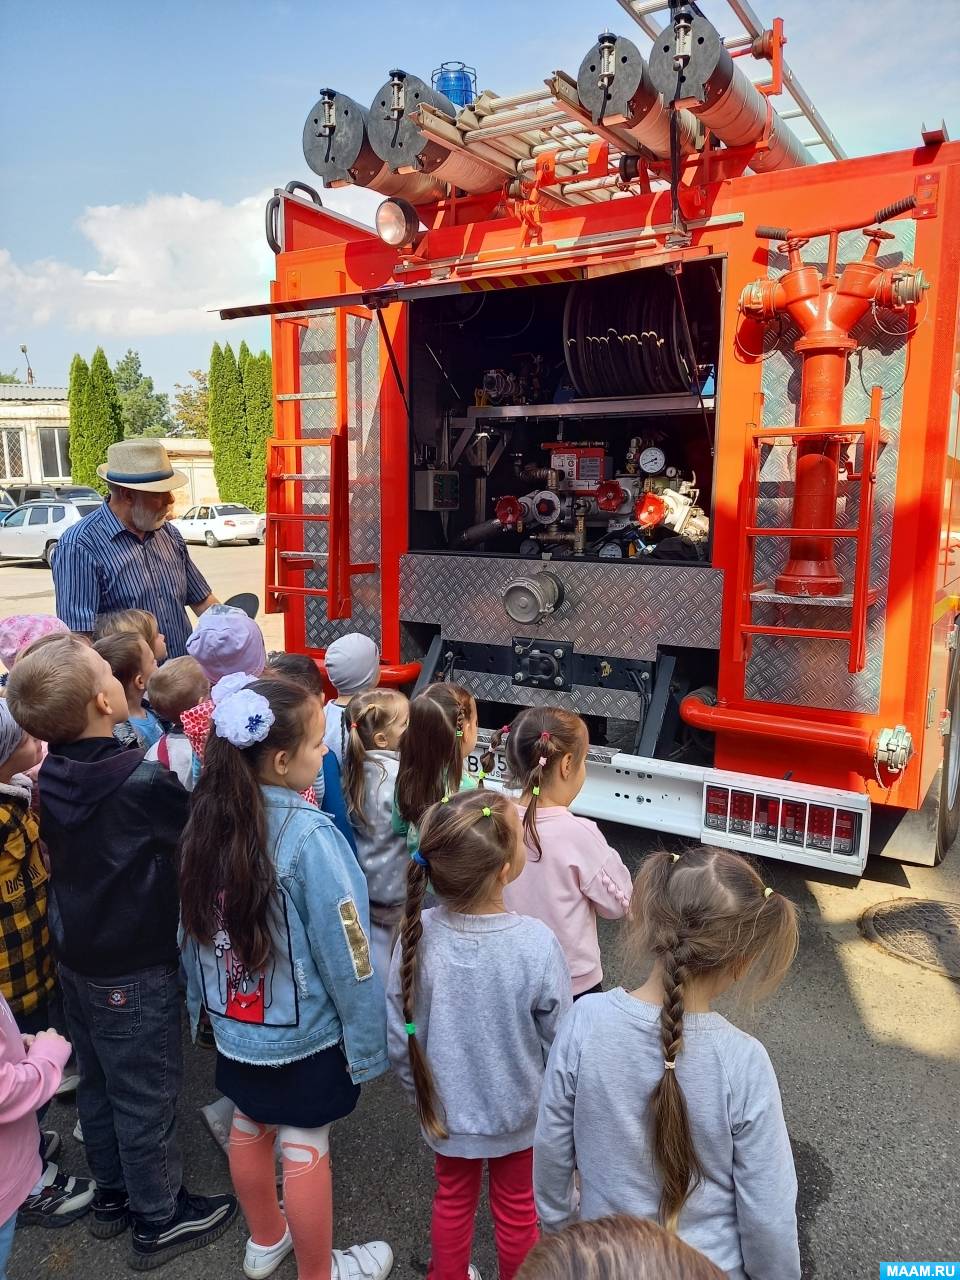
(22, 629)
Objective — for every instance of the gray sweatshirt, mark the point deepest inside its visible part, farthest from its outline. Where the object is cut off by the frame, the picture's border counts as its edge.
(382, 853)
(595, 1117)
(490, 993)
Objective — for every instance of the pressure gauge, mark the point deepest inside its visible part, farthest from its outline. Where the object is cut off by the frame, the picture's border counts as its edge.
(611, 551)
(652, 460)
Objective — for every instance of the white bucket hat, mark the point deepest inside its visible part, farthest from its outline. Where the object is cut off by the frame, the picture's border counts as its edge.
(141, 464)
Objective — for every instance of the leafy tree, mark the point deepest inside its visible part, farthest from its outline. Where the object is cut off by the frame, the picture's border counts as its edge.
(101, 426)
(243, 355)
(191, 406)
(9, 377)
(258, 411)
(145, 412)
(79, 376)
(227, 427)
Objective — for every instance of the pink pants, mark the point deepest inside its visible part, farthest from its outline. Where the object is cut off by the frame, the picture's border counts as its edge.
(455, 1208)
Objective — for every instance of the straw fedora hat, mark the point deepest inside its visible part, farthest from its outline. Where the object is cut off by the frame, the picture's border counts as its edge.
(141, 464)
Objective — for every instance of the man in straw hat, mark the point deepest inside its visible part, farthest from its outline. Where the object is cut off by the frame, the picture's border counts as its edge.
(125, 555)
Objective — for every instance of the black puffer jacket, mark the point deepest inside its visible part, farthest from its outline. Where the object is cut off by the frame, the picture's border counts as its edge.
(111, 822)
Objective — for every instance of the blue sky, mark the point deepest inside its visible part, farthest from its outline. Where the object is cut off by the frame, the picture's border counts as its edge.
(139, 142)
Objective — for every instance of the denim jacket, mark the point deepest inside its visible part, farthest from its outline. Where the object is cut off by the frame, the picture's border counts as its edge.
(319, 988)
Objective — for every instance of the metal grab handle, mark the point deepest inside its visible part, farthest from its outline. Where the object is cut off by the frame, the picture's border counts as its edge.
(882, 215)
(270, 217)
(898, 206)
(296, 185)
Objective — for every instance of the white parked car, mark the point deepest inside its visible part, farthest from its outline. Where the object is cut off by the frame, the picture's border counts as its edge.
(220, 522)
(31, 532)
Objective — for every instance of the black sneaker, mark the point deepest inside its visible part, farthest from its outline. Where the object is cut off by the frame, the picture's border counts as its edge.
(111, 1214)
(51, 1145)
(198, 1221)
(60, 1201)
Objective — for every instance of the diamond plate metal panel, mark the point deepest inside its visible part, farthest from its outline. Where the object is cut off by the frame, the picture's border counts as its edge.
(609, 609)
(318, 419)
(813, 673)
(615, 704)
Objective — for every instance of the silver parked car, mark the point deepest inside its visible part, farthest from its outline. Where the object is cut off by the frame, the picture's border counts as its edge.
(220, 522)
(32, 531)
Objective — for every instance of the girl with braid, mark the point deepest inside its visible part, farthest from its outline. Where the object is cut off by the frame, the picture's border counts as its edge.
(666, 1109)
(571, 875)
(473, 1002)
(377, 721)
(441, 733)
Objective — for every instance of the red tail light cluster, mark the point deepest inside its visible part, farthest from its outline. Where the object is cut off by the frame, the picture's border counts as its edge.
(781, 820)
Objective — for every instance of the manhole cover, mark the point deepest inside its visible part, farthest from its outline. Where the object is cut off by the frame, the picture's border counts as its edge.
(919, 930)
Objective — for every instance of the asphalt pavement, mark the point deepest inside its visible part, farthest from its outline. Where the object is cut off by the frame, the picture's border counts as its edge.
(866, 1047)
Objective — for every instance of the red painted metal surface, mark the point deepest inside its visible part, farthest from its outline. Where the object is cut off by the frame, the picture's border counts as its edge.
(477, 242)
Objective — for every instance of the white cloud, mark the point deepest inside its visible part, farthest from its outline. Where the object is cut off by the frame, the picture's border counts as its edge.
(161, 266)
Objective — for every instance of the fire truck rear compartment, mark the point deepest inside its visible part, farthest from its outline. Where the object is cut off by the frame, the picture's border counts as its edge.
(560, 498)
(567, 421)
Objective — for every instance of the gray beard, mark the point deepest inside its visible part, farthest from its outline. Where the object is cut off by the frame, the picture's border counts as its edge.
(144, 519)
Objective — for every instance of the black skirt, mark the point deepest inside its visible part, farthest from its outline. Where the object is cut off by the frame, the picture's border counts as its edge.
(306, 1094)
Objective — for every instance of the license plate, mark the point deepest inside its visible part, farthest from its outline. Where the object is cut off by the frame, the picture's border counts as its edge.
(498, 773)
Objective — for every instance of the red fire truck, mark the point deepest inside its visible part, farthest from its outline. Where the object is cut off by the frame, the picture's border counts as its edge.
(629, 406)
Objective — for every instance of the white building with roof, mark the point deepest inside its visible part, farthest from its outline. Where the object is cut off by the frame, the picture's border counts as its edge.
(34, 445)
(34, 433)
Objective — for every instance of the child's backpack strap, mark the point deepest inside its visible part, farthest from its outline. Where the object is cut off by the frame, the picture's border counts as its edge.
(163, 751)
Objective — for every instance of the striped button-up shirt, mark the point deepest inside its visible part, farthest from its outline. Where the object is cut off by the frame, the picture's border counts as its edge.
(100, 566)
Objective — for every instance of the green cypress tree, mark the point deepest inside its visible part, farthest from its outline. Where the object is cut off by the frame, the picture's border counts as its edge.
(243, 355)
(229, 438)
(79, 374)
(213, 391)
(102, 422)
(258, 387)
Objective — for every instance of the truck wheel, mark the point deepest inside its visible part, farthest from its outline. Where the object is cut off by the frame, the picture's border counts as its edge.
(948, 823)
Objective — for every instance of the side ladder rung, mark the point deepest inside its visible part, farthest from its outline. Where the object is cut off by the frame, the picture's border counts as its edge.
(754, 629)
(801, 533)
(298, 518)
(309, 395)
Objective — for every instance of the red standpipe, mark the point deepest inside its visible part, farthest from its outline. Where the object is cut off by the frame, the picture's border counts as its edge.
(825, 308)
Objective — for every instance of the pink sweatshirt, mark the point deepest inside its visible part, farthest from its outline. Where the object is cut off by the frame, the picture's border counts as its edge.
(28, 1079)
(578, 878)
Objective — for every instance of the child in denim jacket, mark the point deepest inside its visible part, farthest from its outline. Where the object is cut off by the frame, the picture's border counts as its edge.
(275, 922)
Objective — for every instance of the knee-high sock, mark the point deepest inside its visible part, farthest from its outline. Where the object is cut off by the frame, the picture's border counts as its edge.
(252, 1171)
(308, 1198)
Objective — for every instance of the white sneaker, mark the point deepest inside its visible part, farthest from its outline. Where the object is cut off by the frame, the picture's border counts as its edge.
(370, 1261)
(78, 1132)
(263, 1259)
(473, 1273)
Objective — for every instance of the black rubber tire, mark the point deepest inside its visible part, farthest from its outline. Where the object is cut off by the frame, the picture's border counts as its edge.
(48, 551)
(948, 820)
(210, 540)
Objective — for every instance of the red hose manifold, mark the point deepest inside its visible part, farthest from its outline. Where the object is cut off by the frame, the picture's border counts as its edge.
(825, 308)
